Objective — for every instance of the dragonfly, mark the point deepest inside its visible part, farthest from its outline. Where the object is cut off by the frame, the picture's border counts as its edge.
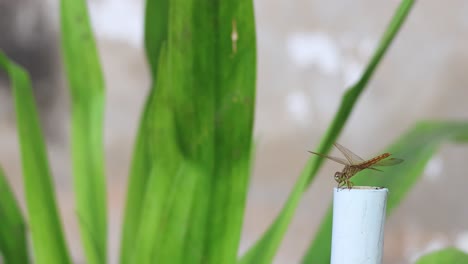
(354, 164)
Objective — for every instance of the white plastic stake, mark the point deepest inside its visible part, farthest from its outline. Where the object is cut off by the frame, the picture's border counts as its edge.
(358, 225)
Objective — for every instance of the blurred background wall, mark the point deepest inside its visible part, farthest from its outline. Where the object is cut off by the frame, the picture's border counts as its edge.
(309, 51)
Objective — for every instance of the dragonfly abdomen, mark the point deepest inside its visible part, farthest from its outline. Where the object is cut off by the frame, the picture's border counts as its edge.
(373, 161)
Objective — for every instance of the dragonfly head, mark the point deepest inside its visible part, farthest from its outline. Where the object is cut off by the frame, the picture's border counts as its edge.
(338, 176)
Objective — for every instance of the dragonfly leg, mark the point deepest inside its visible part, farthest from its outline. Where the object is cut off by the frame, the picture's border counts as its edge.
(349, 184)
(341, 183)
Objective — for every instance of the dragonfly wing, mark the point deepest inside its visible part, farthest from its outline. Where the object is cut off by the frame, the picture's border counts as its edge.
(388, 162)
(372, 168)
(350, 156)
(339, 160)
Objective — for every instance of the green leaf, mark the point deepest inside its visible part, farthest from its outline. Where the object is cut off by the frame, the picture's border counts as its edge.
(45, 226)
(416, 147)
(156, 31)
(235, 69)
(155, 36)
(138, 180)
(265, 248)
(202, 135)
(448, 255)
(87, 108)
(13, 242)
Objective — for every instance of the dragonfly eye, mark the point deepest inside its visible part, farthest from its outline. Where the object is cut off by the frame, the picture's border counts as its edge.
(338, 176)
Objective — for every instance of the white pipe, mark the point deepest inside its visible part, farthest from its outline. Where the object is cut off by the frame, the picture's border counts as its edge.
(358, 225)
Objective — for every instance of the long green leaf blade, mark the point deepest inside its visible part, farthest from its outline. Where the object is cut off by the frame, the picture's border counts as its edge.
(156, 13)
(87, 107)
(202, 129)
(235, 97)
(448, 255)
(265, 248)
(13, 242)
(416, 147)
(156, 31)
(46, 229)
(160, 193)
(138, 181)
